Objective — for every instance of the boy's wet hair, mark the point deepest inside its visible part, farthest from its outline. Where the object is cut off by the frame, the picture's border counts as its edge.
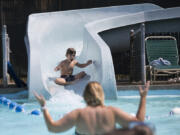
(70, 51)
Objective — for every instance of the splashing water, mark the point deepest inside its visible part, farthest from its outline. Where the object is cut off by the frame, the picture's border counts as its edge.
(64, 101)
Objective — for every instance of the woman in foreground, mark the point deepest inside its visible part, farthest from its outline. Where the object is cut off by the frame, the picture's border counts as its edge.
(95, 118)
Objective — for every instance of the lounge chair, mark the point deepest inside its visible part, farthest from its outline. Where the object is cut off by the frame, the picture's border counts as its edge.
(162, 47)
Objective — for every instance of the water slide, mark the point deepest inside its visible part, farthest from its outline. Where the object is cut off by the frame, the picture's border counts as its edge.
(50, 34)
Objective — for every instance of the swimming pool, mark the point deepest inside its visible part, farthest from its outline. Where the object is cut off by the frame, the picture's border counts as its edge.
(159, 104)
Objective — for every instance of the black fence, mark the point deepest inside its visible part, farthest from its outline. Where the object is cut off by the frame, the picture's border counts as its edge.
(121, 63)
(1, 59)
(135, 58)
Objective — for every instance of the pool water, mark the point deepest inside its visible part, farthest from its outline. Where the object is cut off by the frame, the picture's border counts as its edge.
(159, 104)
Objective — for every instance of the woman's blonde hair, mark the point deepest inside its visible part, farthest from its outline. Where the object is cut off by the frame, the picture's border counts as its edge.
(94, 94)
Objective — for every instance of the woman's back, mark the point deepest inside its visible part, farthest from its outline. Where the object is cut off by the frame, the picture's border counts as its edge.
(95, 120)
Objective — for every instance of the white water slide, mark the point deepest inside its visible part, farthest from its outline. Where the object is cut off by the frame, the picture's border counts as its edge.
(50, 34)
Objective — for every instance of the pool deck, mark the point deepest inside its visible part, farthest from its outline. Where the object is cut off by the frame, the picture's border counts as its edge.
(152, 87)
(11, 89)
(121, 87)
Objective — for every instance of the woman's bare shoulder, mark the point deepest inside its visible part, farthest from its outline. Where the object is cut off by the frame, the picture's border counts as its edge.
(88, 108)
(114, 109)
(79, 110)
(111, 107)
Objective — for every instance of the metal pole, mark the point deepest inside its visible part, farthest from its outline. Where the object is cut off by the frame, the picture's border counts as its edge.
(8, 55)
(132, 35)
(143, 60)
(8, 47)
(5, 82)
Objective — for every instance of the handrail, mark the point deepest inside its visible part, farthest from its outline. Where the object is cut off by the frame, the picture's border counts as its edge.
(159, 37)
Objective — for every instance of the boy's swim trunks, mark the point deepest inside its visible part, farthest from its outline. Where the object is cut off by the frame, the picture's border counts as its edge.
(68, 78)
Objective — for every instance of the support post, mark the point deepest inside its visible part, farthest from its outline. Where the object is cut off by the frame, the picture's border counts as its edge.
(143, 60)
(5, 56)
(132, 35)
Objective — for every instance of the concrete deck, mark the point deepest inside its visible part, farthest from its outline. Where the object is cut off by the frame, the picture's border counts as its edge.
(152, 87)
(12, 89)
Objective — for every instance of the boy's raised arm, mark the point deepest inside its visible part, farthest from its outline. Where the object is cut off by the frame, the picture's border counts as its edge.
(84, 65)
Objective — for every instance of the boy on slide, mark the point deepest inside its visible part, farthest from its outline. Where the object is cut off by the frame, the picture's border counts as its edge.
(66, 66)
